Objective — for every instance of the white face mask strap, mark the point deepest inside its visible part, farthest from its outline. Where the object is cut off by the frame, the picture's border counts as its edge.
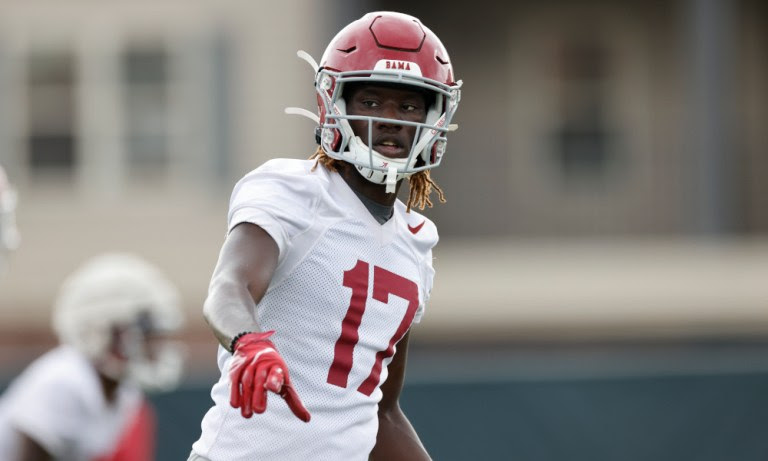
(391, 179)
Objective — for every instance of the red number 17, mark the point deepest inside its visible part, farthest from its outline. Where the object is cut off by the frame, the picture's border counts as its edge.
(384, 284)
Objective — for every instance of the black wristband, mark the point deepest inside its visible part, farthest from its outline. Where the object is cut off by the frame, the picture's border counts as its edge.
(235, 338)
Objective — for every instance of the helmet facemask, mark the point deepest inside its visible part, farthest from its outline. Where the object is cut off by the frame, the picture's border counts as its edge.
(339, 141)
(383, 48)
(143, 352)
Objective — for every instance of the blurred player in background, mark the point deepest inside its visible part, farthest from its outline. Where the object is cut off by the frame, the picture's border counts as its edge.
(9, 235)
(324, 270)
(82, 401)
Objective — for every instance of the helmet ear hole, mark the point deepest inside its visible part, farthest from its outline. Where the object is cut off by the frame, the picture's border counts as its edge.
(426, 150)
(438, 149)
(341, 107)
(330, 139)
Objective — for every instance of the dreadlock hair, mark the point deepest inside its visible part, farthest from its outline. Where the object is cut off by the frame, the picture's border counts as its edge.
(420, 185)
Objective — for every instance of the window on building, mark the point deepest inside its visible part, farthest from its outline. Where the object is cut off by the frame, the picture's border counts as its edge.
(581, 139)
(51, 111)
(145, 78)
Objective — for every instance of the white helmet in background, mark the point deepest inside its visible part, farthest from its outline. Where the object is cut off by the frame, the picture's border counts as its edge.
(115, 309)
(9, 234)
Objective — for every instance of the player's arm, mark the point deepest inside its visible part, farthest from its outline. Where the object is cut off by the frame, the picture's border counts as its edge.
(246, 264)
(245, 267)
(30, 450)
(396, 438)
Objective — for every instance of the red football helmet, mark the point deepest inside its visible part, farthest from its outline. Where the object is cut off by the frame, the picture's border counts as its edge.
(386, 47)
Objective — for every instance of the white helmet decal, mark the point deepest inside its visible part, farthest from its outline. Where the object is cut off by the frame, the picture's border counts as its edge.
(403, 67)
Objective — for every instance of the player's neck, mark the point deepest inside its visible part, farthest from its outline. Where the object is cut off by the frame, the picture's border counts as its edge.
(374, 192)
(109, 386)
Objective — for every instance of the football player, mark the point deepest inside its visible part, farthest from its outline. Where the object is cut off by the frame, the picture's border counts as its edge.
(82, 400)
(324, 271)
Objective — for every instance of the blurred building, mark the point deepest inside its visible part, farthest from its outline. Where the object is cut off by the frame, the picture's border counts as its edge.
(600, 289)
(607, 177)
(594, 118)
(126, 124)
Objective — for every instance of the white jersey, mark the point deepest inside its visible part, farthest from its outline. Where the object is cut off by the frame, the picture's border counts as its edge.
(345, 291)
(58, 401)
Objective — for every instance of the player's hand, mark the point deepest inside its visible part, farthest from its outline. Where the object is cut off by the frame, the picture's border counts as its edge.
(256, 368)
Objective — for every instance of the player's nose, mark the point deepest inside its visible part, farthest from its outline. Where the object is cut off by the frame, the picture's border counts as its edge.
(391, 110)
(389, 116)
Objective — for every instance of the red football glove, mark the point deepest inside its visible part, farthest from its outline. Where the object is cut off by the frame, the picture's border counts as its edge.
(256, 368)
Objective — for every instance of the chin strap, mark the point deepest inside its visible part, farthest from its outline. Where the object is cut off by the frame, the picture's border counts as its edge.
(391, 179)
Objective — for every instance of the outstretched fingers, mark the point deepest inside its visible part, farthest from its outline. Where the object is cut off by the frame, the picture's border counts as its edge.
(272, 377)
(260, 390)
(257, 369)
(275, 379)
(294, 403)
(247, 384)
(235, 377)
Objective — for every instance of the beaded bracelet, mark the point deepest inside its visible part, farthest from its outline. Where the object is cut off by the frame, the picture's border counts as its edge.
(235, 338)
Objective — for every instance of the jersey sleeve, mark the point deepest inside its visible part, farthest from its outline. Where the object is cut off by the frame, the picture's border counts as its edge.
(280, 197)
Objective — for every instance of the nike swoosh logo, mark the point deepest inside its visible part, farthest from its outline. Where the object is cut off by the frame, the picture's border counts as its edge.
(416, 229)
